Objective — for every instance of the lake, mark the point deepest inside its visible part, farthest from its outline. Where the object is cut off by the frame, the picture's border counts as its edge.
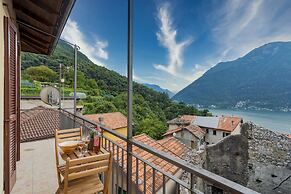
(276, 121)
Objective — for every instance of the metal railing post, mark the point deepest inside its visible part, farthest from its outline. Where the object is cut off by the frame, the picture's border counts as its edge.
(129, 98)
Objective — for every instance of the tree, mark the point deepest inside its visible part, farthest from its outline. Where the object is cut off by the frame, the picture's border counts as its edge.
(41, 73)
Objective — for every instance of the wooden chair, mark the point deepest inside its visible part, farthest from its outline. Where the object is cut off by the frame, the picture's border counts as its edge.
(82, 175)
(61, 136)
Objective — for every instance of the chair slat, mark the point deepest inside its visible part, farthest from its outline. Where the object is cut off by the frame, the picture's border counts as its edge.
(65, 135)
(89, 159)
(87, 173)
(88, 166)
(61, 131)
(69, 139)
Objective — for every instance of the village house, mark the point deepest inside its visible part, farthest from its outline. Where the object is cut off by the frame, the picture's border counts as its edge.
(180, 121)
(114, 120)
(192, 135)
(218, 127)
(203, 129)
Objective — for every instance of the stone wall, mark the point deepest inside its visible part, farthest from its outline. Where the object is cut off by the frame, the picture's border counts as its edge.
(257, 158)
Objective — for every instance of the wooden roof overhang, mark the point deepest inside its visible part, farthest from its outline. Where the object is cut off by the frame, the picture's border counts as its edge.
(41, 23)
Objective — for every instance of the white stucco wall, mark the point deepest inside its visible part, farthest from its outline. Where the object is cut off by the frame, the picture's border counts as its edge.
(212, 139)
(237, 129)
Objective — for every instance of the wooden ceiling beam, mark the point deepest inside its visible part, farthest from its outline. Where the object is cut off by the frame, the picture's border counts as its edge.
(44, 6)
(35, 47)
(31, 49)
(34, 42)
(28, 13)
(34, 19)
(27, 28)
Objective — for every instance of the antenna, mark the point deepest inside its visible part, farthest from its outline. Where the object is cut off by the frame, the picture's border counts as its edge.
(50, 95)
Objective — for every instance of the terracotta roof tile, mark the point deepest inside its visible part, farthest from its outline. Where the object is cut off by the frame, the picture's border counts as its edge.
(38, 123)
(112, 120)
(194, 129)
(162, 145)
(228, 123)
(184, 119)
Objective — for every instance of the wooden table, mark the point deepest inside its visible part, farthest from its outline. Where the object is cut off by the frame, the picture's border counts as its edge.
(76, 154)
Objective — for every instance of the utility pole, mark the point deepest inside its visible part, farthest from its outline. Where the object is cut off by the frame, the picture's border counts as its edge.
(75, 78)
(129, 97)
(60, 81)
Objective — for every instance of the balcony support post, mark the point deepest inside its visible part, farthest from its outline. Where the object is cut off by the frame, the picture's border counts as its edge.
(129, 98)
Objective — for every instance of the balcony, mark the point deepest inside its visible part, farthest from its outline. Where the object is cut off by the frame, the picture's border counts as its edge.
(152, 169)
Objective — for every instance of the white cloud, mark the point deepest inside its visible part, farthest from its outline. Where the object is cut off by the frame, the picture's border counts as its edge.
(167, 37)
(95, 52)
(241, 26)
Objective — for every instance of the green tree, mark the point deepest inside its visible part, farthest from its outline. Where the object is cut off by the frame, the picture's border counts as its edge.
(41, 73)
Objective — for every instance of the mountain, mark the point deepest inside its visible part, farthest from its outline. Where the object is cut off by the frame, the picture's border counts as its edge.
(259, 80)
(106, 89)
(159, 89)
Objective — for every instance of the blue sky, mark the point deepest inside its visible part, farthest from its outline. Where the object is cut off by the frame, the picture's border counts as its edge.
(175, 41)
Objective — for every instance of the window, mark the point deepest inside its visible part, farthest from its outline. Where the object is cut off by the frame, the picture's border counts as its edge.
(207, 130)
(214, 132)
(225, 134)
(192, 144)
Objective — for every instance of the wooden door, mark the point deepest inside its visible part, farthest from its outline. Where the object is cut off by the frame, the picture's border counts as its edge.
(11, 104)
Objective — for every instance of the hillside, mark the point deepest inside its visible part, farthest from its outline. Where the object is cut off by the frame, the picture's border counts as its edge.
(258, 80)
(159, 89)
(106, 89)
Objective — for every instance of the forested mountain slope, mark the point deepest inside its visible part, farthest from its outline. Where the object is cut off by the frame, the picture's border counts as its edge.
(260, 79)
(107, 90)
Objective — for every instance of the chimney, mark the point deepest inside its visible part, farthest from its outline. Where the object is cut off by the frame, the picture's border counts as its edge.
(232, 123)
(101, 121)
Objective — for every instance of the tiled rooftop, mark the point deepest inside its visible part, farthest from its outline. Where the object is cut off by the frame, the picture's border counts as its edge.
(194, 129)
(184, 119)
(38, 123)
(225, 123)
(169, 145)
(112, 120)
(229, 123)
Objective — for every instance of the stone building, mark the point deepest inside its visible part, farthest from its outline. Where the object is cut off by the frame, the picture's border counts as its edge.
(191, 135)
(257, 158)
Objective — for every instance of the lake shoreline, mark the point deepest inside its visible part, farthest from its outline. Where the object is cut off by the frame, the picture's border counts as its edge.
(278, 121)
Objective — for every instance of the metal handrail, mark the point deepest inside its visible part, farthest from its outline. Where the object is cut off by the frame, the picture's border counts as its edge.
(214, 179)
